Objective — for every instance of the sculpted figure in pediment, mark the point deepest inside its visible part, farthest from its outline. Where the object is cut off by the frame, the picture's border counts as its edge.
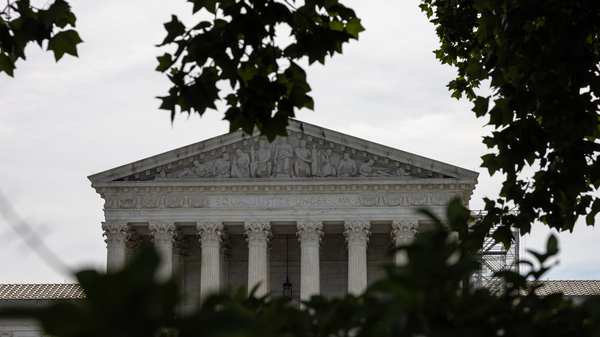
(283, 159)
(260, 166)
(328, 170)
(198, 171)
(163, 176)
(241, 165)
(303, 161)
(367, 170)
(347, 167)
(402, 172)
(222, 167)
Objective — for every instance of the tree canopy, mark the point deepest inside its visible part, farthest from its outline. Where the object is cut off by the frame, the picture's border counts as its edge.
(541, 60)
(21, 23)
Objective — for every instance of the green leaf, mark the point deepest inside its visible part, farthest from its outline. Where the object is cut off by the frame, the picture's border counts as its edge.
(174, 29)
(6, 65)
(552, 245)
(353, 27)
(210, 5)
(593, 212)
(164, 62)
(336, 25)
(64, 42)
(481, 106)
(58, 11)
(202, 25)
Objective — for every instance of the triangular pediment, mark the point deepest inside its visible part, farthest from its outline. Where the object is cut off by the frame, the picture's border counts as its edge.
(308, 152)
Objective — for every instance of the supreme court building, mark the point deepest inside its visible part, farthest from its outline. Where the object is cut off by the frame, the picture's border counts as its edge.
(320, 207)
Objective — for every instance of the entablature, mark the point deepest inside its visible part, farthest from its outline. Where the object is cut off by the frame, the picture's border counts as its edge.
(306, 192)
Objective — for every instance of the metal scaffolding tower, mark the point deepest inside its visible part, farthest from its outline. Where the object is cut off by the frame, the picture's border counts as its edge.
(494, 257)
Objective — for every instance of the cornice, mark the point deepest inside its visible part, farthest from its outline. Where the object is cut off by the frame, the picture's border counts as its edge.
(284, 185)
(193, 191)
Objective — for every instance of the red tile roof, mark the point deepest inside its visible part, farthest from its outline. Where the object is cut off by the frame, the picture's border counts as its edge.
(40, 291)
(74, 291)
(569, 288)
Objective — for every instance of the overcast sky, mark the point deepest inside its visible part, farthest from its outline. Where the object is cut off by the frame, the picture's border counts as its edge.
(61, 122)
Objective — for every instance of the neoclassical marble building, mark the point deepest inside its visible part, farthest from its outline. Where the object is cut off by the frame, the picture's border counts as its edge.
(318, 206)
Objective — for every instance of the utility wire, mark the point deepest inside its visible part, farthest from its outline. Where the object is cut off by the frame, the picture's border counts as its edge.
(30, 237)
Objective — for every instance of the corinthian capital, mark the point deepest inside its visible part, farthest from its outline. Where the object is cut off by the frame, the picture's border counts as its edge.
(357, 232)
(258, 232)
(309, 232)
(404, 231)
(210, 233)
(116, 233)
(163, 233)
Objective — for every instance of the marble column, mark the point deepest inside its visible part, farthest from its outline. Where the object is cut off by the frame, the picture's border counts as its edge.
(225, 252)
(180, 246)
(210, 239)
(453, 238)
(163, 234)
(269, 248)
(258, 235)
(357, 236)
(403, 233)
(116, 234)
(309, 234)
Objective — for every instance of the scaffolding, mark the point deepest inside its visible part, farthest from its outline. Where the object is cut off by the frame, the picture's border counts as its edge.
(494, 257)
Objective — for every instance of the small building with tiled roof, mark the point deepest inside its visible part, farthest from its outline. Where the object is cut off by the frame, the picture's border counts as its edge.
(32, 296)
(573, 289)
(40, 291)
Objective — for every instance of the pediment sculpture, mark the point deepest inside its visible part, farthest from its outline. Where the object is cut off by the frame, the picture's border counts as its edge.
(308, 152)
(286, 159)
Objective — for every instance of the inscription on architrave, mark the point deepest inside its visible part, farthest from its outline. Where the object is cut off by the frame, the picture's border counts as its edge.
(270, 201)
(284, 201)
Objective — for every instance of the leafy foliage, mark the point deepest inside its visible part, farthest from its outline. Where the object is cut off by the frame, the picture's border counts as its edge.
(239, 46)
(541, 59)
(21, 23)
(430, 296)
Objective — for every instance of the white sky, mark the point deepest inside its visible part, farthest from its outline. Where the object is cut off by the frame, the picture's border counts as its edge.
(61, 122)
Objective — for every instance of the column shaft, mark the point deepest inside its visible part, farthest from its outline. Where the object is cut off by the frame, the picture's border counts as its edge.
(357, 236)
(224, 271)
(210, 275)
(116, 234)
(163, 235)
(258, 234)
(357, 269)
(225, 251)
(268, 269)
(310, 234)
